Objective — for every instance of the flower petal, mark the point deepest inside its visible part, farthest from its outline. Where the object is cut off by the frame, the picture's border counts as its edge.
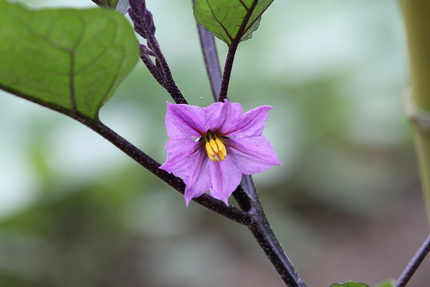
(198, 181)
(251, 154)
(219, 116)
(250, 124)
(181, 156)
(225, 177)
(248, 151)
(185, 121)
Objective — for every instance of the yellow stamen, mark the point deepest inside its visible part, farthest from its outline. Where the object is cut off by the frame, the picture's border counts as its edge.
(222, 150)
(215, 148)
(213, 145)
(209, 149)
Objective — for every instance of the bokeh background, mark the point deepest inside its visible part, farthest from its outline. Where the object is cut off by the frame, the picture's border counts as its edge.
(346, 204)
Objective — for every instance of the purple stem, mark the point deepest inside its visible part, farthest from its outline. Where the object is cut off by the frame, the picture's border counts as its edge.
(232, 48)
(163, 76)
(414, 264)
(169, 84)
(152, 68)
(264, 235)
(228, 67)
(210, 55)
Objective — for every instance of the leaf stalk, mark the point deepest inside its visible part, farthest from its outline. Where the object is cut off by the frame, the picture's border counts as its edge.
(228, 67)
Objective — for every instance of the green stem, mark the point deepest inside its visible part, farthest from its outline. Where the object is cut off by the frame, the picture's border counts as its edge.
(422, 145)
(417, 20)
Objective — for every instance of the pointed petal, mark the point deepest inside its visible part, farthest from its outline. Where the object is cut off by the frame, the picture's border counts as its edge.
(219, 116)
(250, 124)
(252, 154)
(181, 155)
(198, 181)
(184, 121)
(225, 177)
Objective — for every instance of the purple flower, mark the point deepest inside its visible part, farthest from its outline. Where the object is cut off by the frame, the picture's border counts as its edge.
(210, 148)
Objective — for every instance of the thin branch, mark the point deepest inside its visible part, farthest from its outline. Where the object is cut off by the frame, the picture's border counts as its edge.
(414, 264)
(264, 235)
(241, 196)
(169, 84)
(228, 67)
(152, 68)
(150, 164)
(144, 26)
(210, 55)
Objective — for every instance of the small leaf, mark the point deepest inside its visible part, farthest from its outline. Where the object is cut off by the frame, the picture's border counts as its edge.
(349, 284)
(230, 20)
(387, 283)
(68, 60)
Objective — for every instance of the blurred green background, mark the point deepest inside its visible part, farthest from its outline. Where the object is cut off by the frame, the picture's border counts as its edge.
(346, 203)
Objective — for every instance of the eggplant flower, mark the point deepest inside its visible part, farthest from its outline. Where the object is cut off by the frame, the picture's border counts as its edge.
(210, 148)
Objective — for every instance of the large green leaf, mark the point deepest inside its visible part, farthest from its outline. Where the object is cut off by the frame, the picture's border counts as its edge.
(68, 60)
(230, 20)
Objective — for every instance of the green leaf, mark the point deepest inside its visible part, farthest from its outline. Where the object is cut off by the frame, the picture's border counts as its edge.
(349, 284)
(230, 20)
(67, 60)
(109, 4)
(387, 283)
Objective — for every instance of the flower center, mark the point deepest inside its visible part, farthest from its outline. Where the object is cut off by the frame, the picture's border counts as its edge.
(215, 148)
